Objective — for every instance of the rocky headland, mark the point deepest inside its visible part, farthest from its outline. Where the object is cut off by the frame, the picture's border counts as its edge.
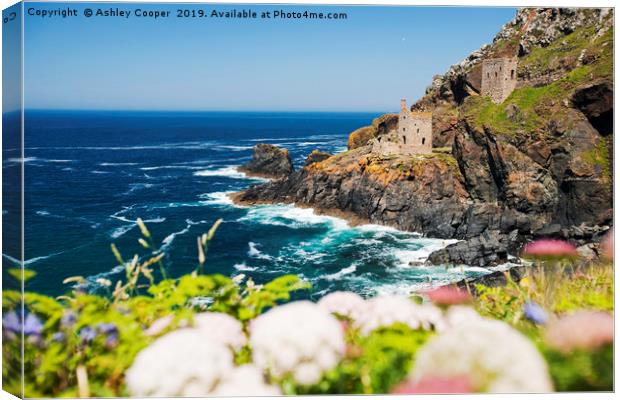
(538, 164)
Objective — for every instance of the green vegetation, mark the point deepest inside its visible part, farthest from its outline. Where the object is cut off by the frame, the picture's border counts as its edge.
(599, 156)
(529, 109)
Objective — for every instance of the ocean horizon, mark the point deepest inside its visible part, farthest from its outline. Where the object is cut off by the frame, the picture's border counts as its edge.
(91, 174)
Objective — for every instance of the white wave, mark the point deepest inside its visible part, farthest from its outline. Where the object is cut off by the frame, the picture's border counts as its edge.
(116, 215)
(170, 238)
(291, 216)
(254, 252)
(120, 231)
(43, 213)
(37, 159)
(341, 273)
(119, 164)
(233, 148)
(138, 186)
(31, 260)
(99, 172)
(217, 198)
(244, 267)
(24, 160)
(406, 257)
(401, 288)
(172, 167)
(67, 169)
(228, 172)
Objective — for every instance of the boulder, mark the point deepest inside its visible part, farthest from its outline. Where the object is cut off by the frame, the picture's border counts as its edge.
(269, 161)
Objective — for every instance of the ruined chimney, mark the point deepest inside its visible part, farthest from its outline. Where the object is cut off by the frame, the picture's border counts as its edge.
(403, 104)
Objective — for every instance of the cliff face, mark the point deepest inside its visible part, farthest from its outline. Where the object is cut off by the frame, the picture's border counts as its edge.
(538, 163)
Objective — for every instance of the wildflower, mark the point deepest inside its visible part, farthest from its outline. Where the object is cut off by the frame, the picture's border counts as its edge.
(159, 325)
(32, 325)
(107, 328)
(608, 244)
(549, 249)
(494, 356)
(344, 304)
(431, 385)
(222, 328)
(447, 295)
(298, 338)
(58, 337)
(459, 314)
(385, 311)
(87, 334)
(535, 313)
(581, 330)
(247, 380)
(179, 364)
(11, 322)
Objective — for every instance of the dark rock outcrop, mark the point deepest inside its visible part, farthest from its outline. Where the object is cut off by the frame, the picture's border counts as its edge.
(316, 156)
(488, 249)
(269, 161)
(494, 279)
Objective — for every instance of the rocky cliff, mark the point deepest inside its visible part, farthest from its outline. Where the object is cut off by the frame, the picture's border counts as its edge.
(537, 164)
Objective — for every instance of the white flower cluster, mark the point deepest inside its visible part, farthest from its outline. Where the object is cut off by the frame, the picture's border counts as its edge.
(494, 356)
(299, 339)
(384, 311)
(222, 328)
(180, 363)
(197, 362)
(246, 380)
(345, 304)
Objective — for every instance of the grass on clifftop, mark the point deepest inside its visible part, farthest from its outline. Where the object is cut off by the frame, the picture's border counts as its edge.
(533, 107)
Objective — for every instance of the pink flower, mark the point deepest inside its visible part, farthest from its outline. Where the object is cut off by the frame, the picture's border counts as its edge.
(608, 245)
(581, 330)
(549, 249)
(435, 385)
(448, 295)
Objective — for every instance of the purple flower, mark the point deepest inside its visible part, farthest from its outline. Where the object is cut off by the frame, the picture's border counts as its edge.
(111, 340)
(87, 334)
(107, 328)
(68, 319)
(32, 325)
(535, 313)
(11, 322)
(58, 337)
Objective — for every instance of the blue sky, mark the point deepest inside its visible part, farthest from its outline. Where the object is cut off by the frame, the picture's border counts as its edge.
(364, 63)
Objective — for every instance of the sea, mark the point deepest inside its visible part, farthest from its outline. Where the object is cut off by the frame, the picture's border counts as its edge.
(89, 175)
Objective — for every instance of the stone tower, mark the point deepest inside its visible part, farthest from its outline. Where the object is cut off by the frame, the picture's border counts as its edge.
(499, 78)
(414, 134)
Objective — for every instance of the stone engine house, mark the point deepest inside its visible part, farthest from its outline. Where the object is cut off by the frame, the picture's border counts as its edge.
(499, 78)
(414, 134)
